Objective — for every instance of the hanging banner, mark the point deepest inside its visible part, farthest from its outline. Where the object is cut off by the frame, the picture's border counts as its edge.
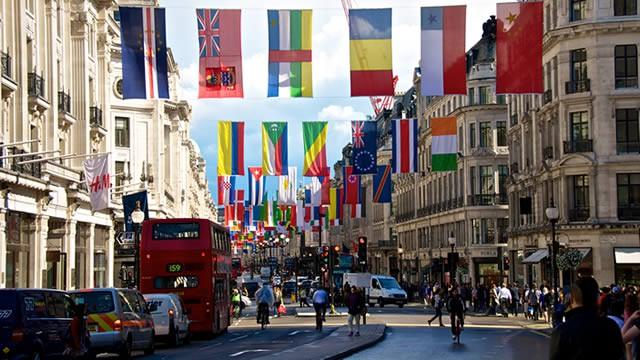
(129, 203)
(96, 175)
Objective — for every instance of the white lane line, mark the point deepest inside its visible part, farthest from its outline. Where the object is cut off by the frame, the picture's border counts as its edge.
(238, 338)
(294, 333)
(247, 351)
(210, 346)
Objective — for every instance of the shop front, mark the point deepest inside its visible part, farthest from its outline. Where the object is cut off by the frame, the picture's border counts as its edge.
(627, 265)
(486, 267)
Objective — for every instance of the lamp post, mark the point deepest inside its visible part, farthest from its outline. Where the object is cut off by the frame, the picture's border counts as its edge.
(452, 242)
(552, 215)
(137, 217)
(400, 255)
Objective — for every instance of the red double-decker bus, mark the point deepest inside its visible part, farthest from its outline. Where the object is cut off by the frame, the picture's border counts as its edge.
(191, 258)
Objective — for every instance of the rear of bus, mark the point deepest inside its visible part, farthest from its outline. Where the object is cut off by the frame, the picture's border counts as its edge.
(176, 258)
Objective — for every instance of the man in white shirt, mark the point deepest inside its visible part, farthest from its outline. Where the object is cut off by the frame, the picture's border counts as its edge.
(504, 297)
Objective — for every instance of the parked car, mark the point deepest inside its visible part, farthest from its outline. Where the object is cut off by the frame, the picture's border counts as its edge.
(36, 323)
(170, 319)
(119, 320)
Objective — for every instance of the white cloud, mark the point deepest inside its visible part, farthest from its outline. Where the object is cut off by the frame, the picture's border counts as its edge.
(340, 113)
(188, 85)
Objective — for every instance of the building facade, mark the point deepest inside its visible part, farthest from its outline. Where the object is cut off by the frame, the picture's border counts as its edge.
(576, 147)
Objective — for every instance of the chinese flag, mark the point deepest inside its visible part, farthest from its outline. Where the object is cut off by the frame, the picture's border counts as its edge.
(519, 48)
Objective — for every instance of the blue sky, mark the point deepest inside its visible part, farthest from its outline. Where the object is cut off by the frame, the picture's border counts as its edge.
(331, 101)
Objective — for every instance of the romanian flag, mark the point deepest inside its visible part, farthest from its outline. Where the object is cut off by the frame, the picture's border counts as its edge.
(315, 152)
(290, 53)
(230, 148)
(370, 52)
(444, 148)
(274, 148)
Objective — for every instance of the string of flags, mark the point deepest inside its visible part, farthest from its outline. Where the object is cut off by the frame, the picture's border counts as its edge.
(442, 42)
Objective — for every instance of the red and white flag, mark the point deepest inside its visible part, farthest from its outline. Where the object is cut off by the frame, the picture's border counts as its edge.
(404, 154)
(96, 174)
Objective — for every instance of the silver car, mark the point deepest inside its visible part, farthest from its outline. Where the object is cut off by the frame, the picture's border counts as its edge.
(170, 319)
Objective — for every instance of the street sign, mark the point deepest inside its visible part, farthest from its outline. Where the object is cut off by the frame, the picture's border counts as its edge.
(125, 237)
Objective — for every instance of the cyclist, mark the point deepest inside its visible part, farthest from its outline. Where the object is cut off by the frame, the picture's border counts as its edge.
(320, 300)
(456, 309)
(264, 299)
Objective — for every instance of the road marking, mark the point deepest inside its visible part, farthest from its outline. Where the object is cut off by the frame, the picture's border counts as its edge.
(247, 351)
(294, 333)
(210, 346)
(488, 326)
(238, 338)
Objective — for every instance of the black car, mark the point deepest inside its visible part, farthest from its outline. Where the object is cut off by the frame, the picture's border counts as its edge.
(36, 324)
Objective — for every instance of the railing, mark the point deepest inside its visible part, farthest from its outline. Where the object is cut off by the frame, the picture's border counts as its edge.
(547, 97)
(629, 212)
(628, 147)
(5, 60)
(95, 116)
(626, 82)
(64, 102)
(35, 85)
(547, 152)
(388, 244)
(579, 214)
(514, 168)
(577, 86)
(32, 169)
(514, 119)
(488, 199)
(578, 146)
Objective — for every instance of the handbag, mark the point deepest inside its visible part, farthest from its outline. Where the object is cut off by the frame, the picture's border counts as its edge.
(282, 310)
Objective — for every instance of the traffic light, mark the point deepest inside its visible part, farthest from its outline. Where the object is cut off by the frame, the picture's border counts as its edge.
(335, 256)
(325, 256)
(506, 263)
(362, 250)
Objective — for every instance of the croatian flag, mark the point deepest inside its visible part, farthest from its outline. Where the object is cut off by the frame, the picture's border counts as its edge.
(226, 190)
(443, 60)
(144, 53)
(405, 146)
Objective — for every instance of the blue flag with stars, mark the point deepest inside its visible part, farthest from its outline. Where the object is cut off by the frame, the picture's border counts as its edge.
(364, 140)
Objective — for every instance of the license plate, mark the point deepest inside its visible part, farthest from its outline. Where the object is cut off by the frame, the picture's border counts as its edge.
(93, 328)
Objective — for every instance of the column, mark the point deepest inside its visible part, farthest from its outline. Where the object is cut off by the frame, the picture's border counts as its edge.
(90, 250)
(70, 248)
(3, 248)
(39, 253)
(109, 254)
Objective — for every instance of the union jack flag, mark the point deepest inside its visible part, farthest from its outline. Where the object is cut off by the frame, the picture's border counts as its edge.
(357, 132)
(209, 32)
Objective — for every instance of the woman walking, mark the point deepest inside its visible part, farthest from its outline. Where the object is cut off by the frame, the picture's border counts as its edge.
(277, 294)
(438, 303)
(354, 304)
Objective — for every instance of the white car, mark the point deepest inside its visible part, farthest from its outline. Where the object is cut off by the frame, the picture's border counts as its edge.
(170, 319)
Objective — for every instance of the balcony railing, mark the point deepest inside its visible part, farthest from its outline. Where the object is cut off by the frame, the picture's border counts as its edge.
(579, 214)
(577, 86)
(388, 244)
(628, 147)
(547, 152)
(547, 97)
(32, 169)
(35, 85)
(514, 168)
(64, 102)
(488, 199)
(631, 212)
(95, 116)
(578, 146)
(5, 60)
(514, 119)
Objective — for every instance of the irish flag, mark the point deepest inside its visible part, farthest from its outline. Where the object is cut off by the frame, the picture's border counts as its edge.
(290, 53)
(444, 144)
(443, 65)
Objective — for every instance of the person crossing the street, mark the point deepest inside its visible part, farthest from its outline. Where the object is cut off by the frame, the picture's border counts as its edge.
(320, 300)
(456, 309)
(438, 303)
(265, 300)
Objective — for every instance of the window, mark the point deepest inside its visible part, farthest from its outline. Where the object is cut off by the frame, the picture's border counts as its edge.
(627, 136)
(472, 135)
(503, 236)
(625, 7)
(119, 173)
(176, 231)
(472, 96)
(486, 180)
(578, 65)
(122, 131)
(472, 179)
(460, 147)
(485, 134)
(502, 133)
(580, 198)
(485, 94)
(503, 172)
(97, 302)
(475, 231)
(34, 304)
(487, 231)
(626, 64)
(629, 196)
(501, 100)
(578, 9)
(579, 126)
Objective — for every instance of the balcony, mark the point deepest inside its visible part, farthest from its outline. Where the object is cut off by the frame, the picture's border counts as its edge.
(577, 86)
(547, 97)
(8, 85)
(631, 212)
(547, 153)
(514, 119)
(579, 214)
(514, 168)
(35, 89)
(387, 245)
(95, 116)
(578, 146)
(32, 169)
(629, 147)
(5, 60)
(64, 102)
(488, 199)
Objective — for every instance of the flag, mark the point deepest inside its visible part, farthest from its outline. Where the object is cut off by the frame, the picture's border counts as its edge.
(315, 152)
(444, 147)
(300, 214)
(335, 206)
(144, 53)
(274, 148)
(239, 205)
(230, 148)
(287, 190)
(351, 186)
(290, 53)
(356, 211)
(519, 48)
(370, 52)
(405, 146)
(256, 186)
(130, 203)
(308, 196)
(226, 190)
(220, 60)
(443, 60)
(320, 190)
(364, 139)
(98, 180)
(382, 185)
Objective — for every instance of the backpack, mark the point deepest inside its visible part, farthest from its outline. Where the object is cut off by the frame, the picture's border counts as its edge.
(533, 299)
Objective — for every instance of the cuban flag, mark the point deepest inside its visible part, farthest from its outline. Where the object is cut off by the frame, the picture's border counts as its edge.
(144, 53)
(226, 190)
(256, 186)
(405, 146)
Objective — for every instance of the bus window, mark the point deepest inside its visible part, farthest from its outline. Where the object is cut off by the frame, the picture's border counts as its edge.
(176, 231)
(175, 282)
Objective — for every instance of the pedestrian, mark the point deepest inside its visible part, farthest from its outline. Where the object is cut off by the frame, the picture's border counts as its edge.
(235, 302)
(277, 295)
(482, 296)
(474, 298)
(303, 298)
(504, 298)
(456, 309)
(533, 298)
(438, 304)
(320, 299)
(354, 305)
(585, 334)
(545, 303)
(493, 300)
(515, 299)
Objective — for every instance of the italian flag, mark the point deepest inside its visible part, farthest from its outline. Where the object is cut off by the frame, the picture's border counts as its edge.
(444, 144)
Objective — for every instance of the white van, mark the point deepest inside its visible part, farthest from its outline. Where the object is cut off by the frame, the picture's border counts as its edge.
(381, 289)
(170, 319)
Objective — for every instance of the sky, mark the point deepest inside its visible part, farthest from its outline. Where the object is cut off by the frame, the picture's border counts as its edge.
(330, 61)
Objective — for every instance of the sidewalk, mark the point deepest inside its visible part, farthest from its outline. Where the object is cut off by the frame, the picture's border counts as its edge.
(335, 346)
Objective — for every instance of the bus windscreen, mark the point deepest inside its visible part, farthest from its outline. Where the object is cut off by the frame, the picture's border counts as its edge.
(176, 231)
(175, 282)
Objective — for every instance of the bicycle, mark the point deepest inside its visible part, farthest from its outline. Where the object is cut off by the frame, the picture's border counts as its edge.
(457, 330)
(263, 315)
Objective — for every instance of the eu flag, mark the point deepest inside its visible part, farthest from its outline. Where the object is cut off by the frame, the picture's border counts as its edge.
(364, 140)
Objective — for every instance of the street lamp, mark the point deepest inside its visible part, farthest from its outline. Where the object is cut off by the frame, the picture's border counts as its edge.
(400, 254)
(552, 215)
(137, 217)
(452, 258)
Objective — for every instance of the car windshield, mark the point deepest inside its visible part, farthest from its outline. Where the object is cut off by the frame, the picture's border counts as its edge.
(389, 283)
(97, 302)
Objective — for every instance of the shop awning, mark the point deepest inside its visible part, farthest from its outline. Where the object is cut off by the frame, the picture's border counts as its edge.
(627, 255)
(536, 257)
(584, 252)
